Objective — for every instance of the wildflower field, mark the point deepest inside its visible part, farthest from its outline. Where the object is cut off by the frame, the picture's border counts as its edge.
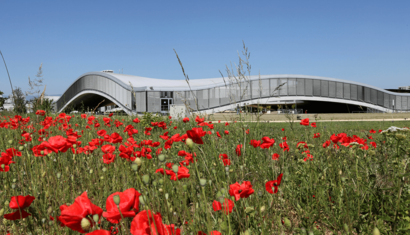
(155, 175)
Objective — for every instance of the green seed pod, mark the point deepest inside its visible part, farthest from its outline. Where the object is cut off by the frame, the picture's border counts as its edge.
(185, 187)
(58, 175)
(10, 141)
(175, 168)
(154, 183)
(262, 209)
(376, 231)
(43, 174)
(85, 224)
(3, 166)
(288, 224)
(145, 179)
(311, 233)
(166, 196)
(21, 148)
(2, 212)
(14, 180)
(104, 169)
(227, 168)
(161, 157)
(202, 182)
(13, 186)
(6, 203)
(189, 143)
(96, 218)
(102, 177)
(138, 161)
(47, 194)
(116, 199)
(91, 171)
(249, 210)
(74, 146)
(160, 190)
(223, 190)
(303, 231)
(134, 167)
(161, 181)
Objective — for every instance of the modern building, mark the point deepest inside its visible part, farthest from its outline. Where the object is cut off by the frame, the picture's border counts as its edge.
(134, 94)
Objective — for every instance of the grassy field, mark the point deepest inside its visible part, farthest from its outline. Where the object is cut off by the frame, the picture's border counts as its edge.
(104, 176)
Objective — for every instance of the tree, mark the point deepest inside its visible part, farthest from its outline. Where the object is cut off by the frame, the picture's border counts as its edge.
(2, 99)
(19, 101)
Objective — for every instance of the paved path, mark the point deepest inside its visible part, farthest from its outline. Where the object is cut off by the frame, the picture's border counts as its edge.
(339, 120)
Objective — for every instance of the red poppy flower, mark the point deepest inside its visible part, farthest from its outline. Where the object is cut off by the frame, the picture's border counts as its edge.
(283, 129)
(305, 122)
(226, 124)
(225, 159)
(110, 115)
(83, 116)
(226, 132)
(129, 205)
(41, 112)
(108, 158)
(136, 120)
(219, 135)
(100, 232)
(284, 146)
(372, 131)
(82, 208)
(255, 143)
(273, 184)
(196, 134)
(212, 233)
(183, 172)
(316, 135)
(267, 142)
(326, 144)
(275, 156)
(313, 124)
(335, 138)
(108, 148)
(57, 143)
(147, 223)
(238, 150)
(199, 120)
(185, 120)
(101, 133)
(373, 144)
(227, 205)
(19, 204)
(243, 190)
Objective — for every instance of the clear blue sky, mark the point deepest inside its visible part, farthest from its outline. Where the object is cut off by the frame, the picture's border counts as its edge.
(363, 41)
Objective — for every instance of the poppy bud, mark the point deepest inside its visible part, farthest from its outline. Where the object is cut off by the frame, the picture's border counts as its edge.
(145, 179)
(202, 182)
(175, 168)
(104, 169)
(21, 148)
(160, 190)
(96, 218)
(43, 220)
(47, 194)
(346, 228)
(42, 152)
(154, 183)
(2, 212)
(185, 187)
(227, 168)
(303, 231)
(262, 209)
(91, 171)
(311, 233)
(138, 161)
(340, 172)
(6, 203)
(166, 196)
(10, 141)
(288, 224)
(189, 142)
(376, 231)
(116, 199)
(161, 157)
(102, 177)
(161, 181)
(142, 199)
(58, 175)
(49, 210)
(85, 224)
(134, 166)
(3, 166)
(13, 186)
